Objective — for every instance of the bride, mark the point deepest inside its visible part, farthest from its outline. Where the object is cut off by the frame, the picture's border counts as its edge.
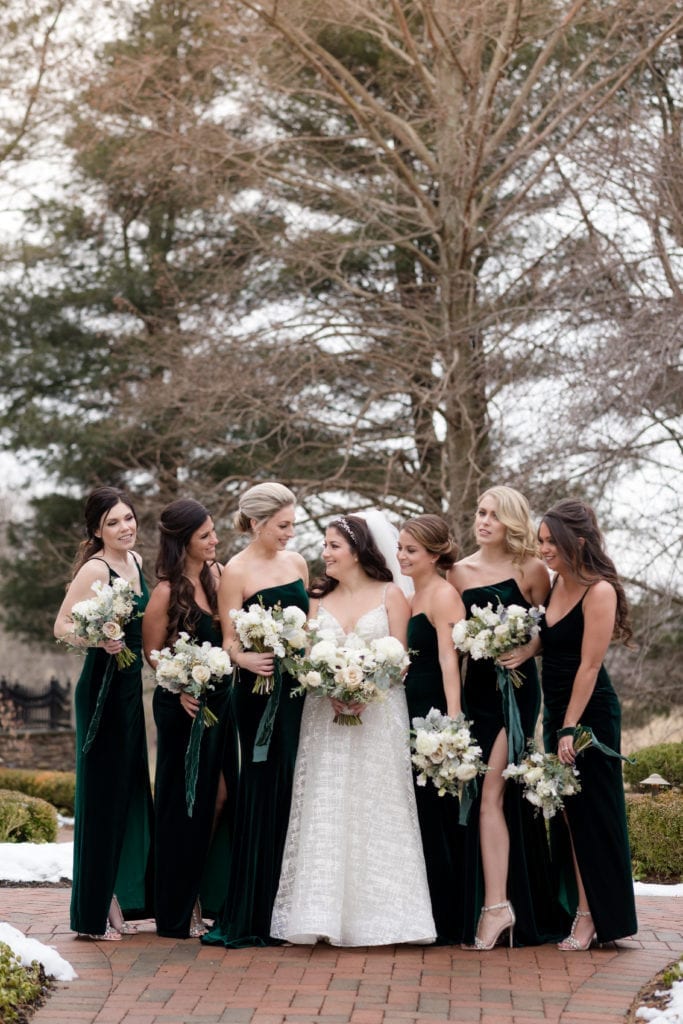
(353, 871)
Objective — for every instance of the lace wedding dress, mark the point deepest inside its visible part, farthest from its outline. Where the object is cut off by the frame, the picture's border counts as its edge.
(353, 871)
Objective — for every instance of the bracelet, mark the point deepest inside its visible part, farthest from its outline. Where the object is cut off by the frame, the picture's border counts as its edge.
(567, 731)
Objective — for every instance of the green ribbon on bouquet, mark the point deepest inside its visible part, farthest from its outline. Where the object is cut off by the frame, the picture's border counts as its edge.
(99, 704)
(192, 756)
(584, 737)
(264, 732)
(513, 723)
(467, 796)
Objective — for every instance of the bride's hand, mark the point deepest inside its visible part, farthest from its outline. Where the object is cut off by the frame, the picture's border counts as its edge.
(340, 708)
(259, 664)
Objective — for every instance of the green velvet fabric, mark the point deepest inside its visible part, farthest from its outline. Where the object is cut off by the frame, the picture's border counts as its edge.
(190, 858)
(263, 800)
(442, 837)
(530, 881)
(113, 806)
(596, 815)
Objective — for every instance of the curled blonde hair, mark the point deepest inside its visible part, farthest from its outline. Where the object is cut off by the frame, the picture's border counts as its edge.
(512, 510)
(433, 534)
(261, 502)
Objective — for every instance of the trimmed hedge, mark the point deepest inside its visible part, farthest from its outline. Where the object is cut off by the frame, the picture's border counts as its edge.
(26, 819)
(664, 758)
(58, 788)
(22, 989)
(655, 825)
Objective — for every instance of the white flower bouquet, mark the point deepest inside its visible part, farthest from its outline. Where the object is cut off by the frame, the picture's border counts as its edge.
(488, 633)
(546, 780)
(103, 617)
(445, 752)
(353, 672)
(191, 667)
(276, 629)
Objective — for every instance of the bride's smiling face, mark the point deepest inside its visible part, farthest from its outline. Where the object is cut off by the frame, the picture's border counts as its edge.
(338, 555)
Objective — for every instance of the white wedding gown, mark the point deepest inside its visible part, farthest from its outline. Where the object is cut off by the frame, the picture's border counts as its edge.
(353, 871)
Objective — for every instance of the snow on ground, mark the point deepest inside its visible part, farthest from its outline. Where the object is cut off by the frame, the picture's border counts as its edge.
(672, 1013)
(29, 950)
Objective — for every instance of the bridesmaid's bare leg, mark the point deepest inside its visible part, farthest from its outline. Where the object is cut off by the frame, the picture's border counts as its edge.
(583, 928)
(494, 841)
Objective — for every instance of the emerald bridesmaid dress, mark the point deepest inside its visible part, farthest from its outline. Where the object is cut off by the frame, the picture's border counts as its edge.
(263, 798)
(113, 805)
(596, 815)
(442, 837)
(190, 857)
(530, 882)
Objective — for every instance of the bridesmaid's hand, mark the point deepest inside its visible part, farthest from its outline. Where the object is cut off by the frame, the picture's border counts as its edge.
(111, 646)
(259, 664)
(190, 704)
(565, 750)
(516, 657)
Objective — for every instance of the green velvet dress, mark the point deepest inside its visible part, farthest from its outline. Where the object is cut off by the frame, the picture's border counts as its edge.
(263, 799)
(530, 882)
(596, 815)
(442, 837)
(113, 807)
(190, 858)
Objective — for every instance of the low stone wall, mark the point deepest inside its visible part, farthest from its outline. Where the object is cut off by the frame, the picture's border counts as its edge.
(55, 751)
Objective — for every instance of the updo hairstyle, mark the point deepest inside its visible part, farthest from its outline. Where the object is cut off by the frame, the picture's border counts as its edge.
(433, 534)
(261, 502)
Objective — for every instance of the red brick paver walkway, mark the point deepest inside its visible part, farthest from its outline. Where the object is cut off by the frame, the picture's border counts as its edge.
(147, 980)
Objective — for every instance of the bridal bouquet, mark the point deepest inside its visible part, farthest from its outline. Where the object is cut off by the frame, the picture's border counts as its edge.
(193, 668)
(103, 617)
(353, 672)
(546, 780)
(488, 633)
(445, 752)
(276, 629)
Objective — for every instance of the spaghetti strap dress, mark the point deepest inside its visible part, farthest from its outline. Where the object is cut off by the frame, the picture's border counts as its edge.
(442, 837)
(530, 882)
(264, 795)
(596, 815)
(353, 872)
(113, 805)
(190, 857)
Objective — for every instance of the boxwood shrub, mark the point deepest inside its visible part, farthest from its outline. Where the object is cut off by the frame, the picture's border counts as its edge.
(22, 989)
(58, 788)
(664, 758)
(26, 819)
(655, 825)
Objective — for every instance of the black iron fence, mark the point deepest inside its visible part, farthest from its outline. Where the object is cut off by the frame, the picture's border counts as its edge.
(49, 709)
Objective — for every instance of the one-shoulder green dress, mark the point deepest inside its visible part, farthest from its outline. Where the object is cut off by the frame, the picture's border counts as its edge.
(190, 857)
(596, 815)
(530, 882)
(113, 806)
(263, 801)
(442, 837)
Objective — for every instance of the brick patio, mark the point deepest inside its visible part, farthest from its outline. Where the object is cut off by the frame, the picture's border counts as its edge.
(147, 980)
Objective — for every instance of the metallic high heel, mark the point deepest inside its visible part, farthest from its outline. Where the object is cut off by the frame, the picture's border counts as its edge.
(479, 944)
(117, 920)
(571, 944)
(109, 935)
(197, 925)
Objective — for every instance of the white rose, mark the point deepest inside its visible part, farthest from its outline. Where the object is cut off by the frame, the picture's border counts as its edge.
(111, 630)
(324, 651)
(311, 679)
(294, 616)
(465, 772)
(201, 674)
(218, 662)
(427, 743)
(459, 632)
(533, 775)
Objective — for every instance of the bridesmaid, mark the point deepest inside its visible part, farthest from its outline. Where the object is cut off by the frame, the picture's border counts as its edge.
(186, 600)
(425, 551)
(587, 609)
(265, 571)
(113, 813)
(506, 848)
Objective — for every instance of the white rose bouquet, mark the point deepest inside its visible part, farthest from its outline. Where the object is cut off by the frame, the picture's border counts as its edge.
(194, 668)
(446, 753)
(488, 633)
(276, 629)
(352, 672)
(191, 667)
(103, 617)
(546, 780)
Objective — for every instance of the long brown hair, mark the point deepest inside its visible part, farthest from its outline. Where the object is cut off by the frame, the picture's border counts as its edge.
(98, 503)
(571, 522)
(177, 523)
